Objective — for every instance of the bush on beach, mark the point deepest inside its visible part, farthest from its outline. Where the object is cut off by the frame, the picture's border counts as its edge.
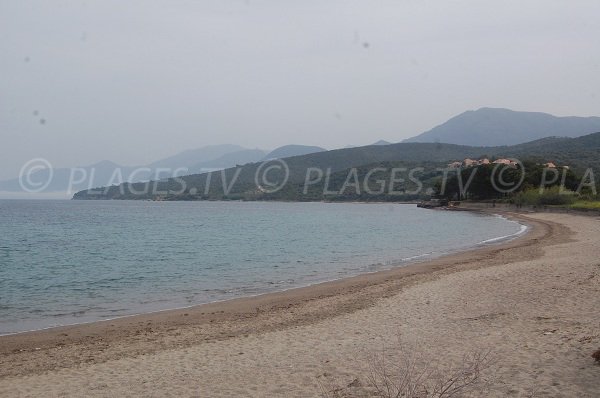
(553, 196)
(401, 370)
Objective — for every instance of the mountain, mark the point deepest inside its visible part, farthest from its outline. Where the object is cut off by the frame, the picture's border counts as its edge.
(230, 160)
(287, 151)
(240, 182)
(109, 173)
(212, 157)
(191, 157)
(497, 126)
(75, 179)
(381, 142)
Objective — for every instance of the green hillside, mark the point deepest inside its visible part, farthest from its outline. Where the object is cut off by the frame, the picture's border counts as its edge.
(240, 182)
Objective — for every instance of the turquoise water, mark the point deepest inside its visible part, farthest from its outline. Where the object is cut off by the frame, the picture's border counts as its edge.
(64, 262)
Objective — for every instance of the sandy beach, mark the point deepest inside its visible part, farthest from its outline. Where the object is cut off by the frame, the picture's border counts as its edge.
(533, 303)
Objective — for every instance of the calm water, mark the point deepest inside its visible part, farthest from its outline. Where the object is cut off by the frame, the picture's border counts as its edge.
(64, 262)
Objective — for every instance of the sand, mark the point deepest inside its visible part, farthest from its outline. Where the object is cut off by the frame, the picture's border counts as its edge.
(534, 302)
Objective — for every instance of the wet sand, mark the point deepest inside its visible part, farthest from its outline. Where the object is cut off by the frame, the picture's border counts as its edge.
(534, 302)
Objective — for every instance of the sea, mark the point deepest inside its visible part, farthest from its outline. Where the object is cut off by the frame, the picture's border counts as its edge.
(65, 262)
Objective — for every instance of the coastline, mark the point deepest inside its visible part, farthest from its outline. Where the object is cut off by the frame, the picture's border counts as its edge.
(388, 266)
(242, 307)
(532, 299)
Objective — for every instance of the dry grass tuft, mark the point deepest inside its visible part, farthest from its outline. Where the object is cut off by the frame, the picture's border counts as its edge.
(402, 371)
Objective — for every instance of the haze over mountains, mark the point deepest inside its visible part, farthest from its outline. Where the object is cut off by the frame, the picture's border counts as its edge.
(382, 142)
(287, 151)
(238, 183)
(193, 161)
(498, 126)
(485, 127)
(191, 157)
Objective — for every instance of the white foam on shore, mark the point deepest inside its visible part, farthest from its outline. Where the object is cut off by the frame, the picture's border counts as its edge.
(523, 228)
(415, 257)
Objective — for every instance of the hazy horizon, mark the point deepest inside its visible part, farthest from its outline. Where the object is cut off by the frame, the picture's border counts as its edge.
(138, 81)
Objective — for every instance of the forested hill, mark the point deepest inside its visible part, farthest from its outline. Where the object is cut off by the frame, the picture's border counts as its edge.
(240, 182)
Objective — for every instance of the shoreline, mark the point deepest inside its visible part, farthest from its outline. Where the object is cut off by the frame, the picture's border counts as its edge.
(407, 262)
(120, 337)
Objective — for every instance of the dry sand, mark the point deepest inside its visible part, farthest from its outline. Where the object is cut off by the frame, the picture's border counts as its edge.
(535, 302)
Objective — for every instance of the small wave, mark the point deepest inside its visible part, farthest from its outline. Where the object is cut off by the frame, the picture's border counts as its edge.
(521, 231)
(411, 258)
(74, 314)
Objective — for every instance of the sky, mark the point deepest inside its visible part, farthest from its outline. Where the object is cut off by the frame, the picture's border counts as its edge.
(135, 81)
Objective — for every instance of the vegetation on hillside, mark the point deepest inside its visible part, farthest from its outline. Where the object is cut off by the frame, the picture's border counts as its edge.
(501, 181)
(373, 169)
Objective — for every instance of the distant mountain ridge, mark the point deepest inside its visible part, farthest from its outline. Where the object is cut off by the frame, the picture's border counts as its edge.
(287, 151)
(191, 161)
(105, 172)
(499, 126)
(191, 157)
(229, 160)
(484, 131)
(382, 142)
(578, 153)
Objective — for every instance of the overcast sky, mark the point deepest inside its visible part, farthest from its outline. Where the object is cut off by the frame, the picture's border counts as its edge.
(134, 81)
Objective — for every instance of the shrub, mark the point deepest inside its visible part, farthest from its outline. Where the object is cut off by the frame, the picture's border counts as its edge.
(403, 371)
(553, 196)
(586, 205)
